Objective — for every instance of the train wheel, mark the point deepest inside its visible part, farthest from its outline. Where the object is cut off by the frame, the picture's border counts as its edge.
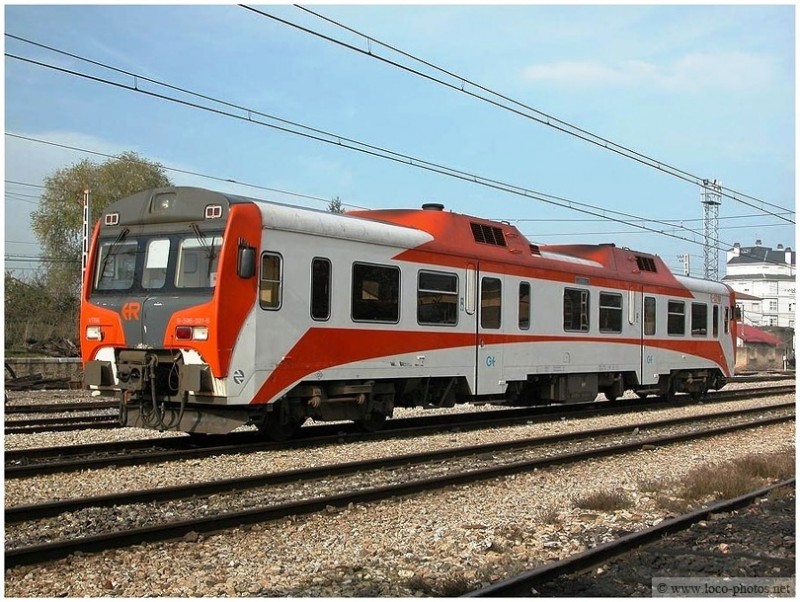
(699, 395)
(641, 394)
(611, 396)
(373, 422)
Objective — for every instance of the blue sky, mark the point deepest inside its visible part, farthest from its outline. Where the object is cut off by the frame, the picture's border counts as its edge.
(707, 89)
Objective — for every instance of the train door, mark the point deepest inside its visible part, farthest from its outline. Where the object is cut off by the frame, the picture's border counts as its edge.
(489, 339)
(649, 373)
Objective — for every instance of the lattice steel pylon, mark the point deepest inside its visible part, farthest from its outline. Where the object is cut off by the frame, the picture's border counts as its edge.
(711, 198)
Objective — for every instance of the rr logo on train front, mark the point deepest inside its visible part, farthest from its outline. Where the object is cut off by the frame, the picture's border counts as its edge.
(130, 311)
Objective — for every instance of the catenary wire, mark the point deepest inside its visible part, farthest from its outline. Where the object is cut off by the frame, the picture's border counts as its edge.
(532, 220)
(174, 169)
(351, 144)
(334, 139)
(537, 115)
(251, 111)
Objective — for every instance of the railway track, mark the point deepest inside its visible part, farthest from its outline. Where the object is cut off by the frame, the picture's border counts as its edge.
(67, 423)
(110, 420)
(29, 462)
(420, 472)
(525, 584)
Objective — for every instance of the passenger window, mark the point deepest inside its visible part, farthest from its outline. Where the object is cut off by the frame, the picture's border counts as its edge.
(271, 282)
(524, 305)
(437, 298)
(610, 312)
(576, 309)
(727, 320)
(491, 301)
(699, 319)
(650, 316)
(320, 289)
(715, 321)
(376, 293)
(676, 318)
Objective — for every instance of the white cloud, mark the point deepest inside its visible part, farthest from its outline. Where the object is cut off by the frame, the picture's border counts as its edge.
(725, 72)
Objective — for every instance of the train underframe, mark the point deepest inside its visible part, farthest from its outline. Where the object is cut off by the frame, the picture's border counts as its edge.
(158, 391)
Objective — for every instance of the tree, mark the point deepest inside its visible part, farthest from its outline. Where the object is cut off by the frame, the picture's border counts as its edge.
(33, 314)
(58, 222)
(335, 206)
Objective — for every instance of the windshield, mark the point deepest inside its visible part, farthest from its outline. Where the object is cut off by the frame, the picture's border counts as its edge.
(116, 265)
(158, 263)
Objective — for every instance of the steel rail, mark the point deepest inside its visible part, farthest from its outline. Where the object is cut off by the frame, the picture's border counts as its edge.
(48, 408)
(323, 434)
(105, 541)
(27, 512)
(520, 585)
(58, 420)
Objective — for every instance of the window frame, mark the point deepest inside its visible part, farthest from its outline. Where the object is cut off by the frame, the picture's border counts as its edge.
(584, 292)
(703, 308)
(670, 313)
(453, 294)
(653, 314)
(483, 307)
(364, 264)
(526, 324)
(715, 320)
(608, 309)
(181, 258)
(279, 281)
(329, 297)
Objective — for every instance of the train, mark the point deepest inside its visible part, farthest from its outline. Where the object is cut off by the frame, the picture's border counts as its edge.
(204, 311)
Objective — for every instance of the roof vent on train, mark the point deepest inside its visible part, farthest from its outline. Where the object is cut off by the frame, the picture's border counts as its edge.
(488, 235)
(433, 207)
(646, 264)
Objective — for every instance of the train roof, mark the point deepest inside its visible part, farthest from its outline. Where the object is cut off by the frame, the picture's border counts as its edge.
(419, 231)
(487, 240)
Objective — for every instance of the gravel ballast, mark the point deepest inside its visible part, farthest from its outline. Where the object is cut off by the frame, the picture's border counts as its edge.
(436, 543)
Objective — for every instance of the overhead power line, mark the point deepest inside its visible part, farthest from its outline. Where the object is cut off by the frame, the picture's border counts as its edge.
(510, 220)
(280, 124)
(548, 234)
(23, 183)
(461, 83)
(174, 169)
(287, 126)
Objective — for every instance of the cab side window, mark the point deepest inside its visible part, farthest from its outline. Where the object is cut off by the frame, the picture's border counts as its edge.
(271, 281)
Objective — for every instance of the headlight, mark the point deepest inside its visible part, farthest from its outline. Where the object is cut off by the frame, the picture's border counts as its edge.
(94, 333)
(188, 333)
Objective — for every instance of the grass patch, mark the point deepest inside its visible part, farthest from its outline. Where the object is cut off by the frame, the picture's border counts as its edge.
(549, 515)
(738, 477)
(604, 501)
(451, 587)
(651, 484)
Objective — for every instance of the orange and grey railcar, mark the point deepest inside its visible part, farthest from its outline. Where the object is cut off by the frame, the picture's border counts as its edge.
(205, 311)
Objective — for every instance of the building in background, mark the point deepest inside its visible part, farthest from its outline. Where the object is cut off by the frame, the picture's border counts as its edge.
(759, 350)
(765, 282)
(770, 276)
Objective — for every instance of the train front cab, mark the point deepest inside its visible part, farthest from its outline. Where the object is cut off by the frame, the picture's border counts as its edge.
(170, 280)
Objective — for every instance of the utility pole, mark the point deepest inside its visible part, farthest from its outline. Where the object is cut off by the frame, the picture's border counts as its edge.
(711, 198)
(87, 214)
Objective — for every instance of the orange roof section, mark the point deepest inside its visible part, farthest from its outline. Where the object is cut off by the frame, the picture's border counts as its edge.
(453, 234)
